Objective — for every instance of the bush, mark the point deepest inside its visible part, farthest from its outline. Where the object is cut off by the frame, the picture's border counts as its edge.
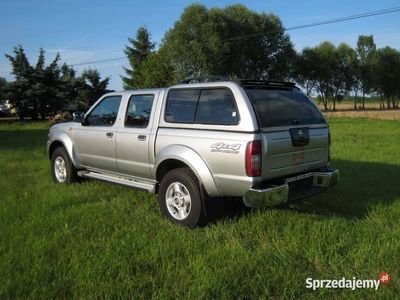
(61, 117)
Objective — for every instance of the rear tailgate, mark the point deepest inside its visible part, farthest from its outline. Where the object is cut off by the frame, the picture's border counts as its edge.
(294, 133)
(282, 158)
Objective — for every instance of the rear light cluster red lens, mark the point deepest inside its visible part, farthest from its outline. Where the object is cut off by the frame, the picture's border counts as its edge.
(253, 158)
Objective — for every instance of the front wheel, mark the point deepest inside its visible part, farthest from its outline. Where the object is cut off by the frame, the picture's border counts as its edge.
(180, 198)
(62, 169)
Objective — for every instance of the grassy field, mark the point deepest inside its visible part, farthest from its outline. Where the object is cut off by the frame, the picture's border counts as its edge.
(94, 239)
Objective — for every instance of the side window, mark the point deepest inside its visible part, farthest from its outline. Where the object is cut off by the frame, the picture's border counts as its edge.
(138, 110)
(105, 113)
(216, 106)
(181, 105)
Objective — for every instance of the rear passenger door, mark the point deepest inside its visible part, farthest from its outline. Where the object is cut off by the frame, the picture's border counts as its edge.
(133, 136)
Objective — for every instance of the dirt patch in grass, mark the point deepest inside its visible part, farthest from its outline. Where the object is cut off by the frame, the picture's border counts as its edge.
(382, 114)
(372, 111)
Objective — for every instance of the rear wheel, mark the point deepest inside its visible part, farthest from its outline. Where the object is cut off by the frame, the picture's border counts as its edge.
(180, 198)
(62, 169)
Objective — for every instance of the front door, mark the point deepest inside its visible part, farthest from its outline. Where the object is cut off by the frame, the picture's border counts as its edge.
(94, 140)
(133, 137)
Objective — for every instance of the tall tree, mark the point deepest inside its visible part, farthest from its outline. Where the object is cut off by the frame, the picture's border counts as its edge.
(306, 70)
(141, 47)
(156, 71)
(17, 91)
(42, 89)
(325, 65)
(233, 41)
(70, 84)
(3, 88)
(35, 86)
(344, 71)
(366, 51)
(388, 74)
(92, 88)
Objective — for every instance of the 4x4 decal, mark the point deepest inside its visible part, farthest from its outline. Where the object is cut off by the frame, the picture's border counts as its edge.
(226, 148)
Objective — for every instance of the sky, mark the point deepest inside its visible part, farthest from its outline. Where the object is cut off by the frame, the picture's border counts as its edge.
(89, 30)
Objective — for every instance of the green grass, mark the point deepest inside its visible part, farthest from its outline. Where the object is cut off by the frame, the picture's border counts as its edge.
(96, 240)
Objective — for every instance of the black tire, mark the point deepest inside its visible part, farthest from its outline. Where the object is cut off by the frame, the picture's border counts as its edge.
(70, 171)
(196, 215)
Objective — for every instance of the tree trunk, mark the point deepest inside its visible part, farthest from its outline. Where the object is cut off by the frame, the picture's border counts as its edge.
(308, 88)
(355, 100)
(325, 102)
(35, 111)
(363, 101)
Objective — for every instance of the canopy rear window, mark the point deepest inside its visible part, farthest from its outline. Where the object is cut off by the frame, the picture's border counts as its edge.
(283, 107)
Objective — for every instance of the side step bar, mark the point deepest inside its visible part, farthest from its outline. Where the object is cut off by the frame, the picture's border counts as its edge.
(144, 186)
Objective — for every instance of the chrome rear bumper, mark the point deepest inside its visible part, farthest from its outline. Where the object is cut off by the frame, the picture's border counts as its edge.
(279, 194)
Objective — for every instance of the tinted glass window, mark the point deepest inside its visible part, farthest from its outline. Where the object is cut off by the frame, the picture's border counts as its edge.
(105, 113)
(283, 107)
(181, 106)
(139, 110)
(216, 106)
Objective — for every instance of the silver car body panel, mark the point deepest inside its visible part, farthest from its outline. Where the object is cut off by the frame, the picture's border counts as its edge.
(193, 160)
(62, 133)
(281, 158)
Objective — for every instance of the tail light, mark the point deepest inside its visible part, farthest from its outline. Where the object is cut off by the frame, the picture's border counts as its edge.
(253, 158)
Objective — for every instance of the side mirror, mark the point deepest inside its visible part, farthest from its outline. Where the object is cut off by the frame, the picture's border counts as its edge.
(78, 116)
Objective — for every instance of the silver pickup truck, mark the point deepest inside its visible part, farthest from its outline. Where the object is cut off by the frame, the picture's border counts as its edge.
(262, 141)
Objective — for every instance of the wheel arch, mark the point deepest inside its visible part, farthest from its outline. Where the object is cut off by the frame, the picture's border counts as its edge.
(176, 156)
(53, 146)
(63, 140)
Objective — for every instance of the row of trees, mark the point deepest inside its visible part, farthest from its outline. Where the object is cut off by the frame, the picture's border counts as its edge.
(205, 41)
(42, 90)
(333, 72)
(234, 42)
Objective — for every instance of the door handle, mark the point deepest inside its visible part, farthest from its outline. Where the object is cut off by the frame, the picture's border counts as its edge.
(141, 137)
(109, 134)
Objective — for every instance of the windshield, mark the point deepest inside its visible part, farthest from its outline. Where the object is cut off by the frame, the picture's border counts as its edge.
(275, 107)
